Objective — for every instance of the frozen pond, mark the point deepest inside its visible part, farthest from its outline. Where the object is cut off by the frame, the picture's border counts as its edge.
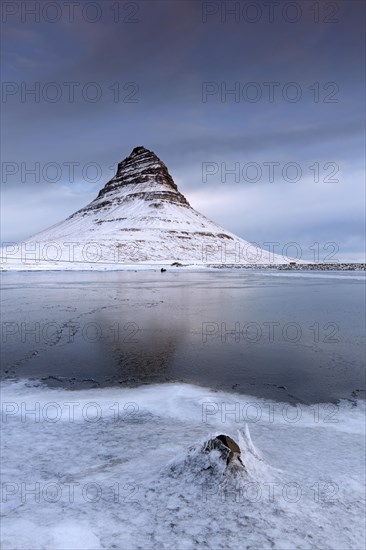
(118, 462)
(295, 337)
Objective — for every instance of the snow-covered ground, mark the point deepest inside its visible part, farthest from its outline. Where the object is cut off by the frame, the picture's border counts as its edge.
(111, 468)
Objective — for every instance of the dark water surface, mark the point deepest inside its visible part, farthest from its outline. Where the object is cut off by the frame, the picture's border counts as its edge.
(296, 337)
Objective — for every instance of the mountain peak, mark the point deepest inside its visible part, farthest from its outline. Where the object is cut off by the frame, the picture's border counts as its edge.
(140, 150)
(142, 173)
(140, 158)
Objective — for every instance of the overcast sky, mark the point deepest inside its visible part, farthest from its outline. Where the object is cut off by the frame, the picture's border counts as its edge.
(257, 109)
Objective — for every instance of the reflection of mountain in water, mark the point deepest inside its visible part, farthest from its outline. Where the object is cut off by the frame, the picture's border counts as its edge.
(152, 358)
(145, 350)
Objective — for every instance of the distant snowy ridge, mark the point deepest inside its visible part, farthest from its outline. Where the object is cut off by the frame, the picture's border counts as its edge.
(138, 217)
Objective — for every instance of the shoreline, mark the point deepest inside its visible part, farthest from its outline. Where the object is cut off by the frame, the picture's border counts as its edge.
(103, 267)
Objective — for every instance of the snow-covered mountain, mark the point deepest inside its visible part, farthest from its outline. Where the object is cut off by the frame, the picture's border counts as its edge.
(140, 216)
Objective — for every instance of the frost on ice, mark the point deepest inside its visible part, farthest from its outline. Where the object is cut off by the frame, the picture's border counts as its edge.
(167, 479)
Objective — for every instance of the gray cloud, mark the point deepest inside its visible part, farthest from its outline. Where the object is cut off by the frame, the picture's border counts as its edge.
(170, 53)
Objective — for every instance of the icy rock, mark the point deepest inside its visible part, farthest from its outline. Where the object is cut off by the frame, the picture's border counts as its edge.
(220, 460)
(229, 450)
(209, 461)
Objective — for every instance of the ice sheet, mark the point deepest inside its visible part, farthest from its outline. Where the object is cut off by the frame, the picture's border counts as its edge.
(101, 460)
